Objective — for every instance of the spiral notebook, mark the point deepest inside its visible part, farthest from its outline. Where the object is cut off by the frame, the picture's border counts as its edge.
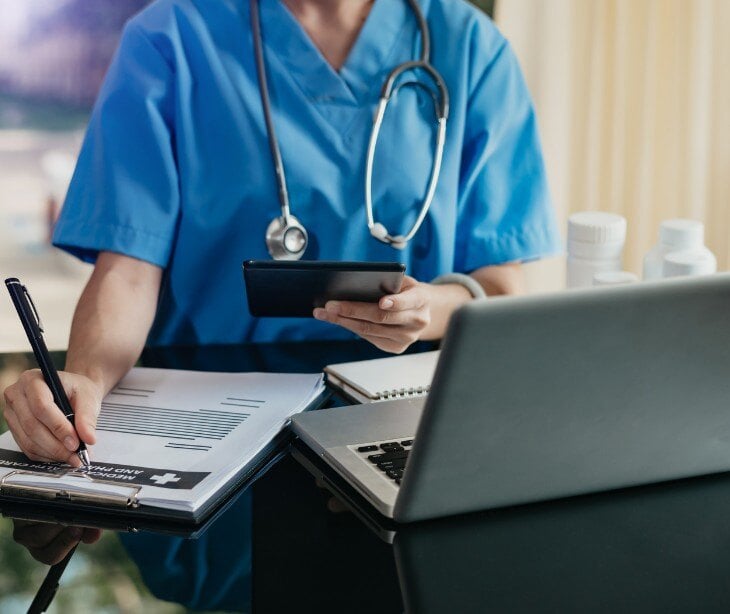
(381, 379)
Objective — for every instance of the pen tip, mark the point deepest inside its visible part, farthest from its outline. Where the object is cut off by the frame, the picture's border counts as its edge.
(84, 456)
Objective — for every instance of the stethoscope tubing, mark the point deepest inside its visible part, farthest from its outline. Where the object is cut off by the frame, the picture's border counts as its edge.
(266, 105)
(441, 110)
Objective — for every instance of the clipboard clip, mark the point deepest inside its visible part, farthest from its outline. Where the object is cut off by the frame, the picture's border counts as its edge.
(65, 492)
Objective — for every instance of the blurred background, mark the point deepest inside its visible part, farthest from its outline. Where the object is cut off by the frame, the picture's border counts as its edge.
(633, 101)
(632, 98)
(53, 56)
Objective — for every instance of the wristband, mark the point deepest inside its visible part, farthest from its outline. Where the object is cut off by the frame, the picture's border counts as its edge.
(471, 284)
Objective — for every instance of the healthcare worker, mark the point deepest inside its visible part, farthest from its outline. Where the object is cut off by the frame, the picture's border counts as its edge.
(177, 183)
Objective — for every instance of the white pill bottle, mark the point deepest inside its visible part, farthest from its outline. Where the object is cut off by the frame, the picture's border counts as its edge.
(595, 244)
(614, 278)
(689, 263)
(674, 236)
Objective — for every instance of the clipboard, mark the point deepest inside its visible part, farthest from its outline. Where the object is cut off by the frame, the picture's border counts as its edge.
(17, 484)
(213, 408)
(125, 513)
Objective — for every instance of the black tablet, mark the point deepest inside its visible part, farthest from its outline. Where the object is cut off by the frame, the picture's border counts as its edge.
(286, 288)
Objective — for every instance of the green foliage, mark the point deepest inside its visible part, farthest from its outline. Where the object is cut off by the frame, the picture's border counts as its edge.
(100, 577)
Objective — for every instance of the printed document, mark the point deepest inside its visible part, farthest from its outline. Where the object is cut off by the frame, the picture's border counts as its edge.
(174, 438)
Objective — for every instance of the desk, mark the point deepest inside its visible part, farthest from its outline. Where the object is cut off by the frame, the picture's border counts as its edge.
(278, 549)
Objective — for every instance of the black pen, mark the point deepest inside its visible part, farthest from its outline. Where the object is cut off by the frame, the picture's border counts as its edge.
(34, 330)
(50, 585)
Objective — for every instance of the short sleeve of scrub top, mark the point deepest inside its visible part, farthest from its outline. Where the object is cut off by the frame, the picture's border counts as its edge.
(124, 194)
(175, 167)
(505, 211)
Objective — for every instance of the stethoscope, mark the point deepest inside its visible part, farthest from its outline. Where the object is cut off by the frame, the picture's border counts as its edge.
(286, 237)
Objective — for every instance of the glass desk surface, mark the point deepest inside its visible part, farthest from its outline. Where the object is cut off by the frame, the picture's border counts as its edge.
(279, 548)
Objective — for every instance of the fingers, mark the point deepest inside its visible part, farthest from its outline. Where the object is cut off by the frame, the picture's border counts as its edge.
(336, 506)
(369, 312)
(54, 551)
(391, 309)
(42, 445)
(91, 536)
(47, 543)
(35, 534)
(392, 325)
(391, 332)
(20, 436)
(411, 296)
(374, 318)
(86, 406)
(365, 328)
(38, 426)
(40, 402)
(394, 339)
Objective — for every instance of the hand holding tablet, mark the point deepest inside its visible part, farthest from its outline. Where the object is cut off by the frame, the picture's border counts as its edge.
(276, 288)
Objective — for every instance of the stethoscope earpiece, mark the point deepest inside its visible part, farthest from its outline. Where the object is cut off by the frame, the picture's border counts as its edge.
(379, 231)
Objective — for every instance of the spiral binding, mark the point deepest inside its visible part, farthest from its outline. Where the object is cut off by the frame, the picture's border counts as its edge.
(402, 393)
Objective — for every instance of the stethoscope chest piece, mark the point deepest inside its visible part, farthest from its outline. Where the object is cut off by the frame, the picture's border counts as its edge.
(286, 238)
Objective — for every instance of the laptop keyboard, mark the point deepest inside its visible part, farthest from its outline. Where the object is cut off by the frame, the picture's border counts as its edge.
(387, 457)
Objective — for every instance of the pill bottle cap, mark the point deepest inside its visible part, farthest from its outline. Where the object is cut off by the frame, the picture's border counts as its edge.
(596, 227)
(681, 233)
(689, 262)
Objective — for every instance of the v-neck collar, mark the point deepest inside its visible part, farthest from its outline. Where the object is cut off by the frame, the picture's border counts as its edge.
(372, 52)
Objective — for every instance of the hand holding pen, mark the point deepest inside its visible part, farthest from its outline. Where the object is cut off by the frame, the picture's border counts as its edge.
(55, 423)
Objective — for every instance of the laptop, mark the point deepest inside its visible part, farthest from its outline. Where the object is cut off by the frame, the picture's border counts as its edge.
(548, 396)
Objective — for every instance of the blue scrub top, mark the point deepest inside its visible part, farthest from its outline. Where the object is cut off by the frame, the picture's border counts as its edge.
(175, 167)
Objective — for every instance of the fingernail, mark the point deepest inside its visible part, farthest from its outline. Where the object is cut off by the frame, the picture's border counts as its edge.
(332, 306)
(387, 303)
(320, 314)
(71, 444)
